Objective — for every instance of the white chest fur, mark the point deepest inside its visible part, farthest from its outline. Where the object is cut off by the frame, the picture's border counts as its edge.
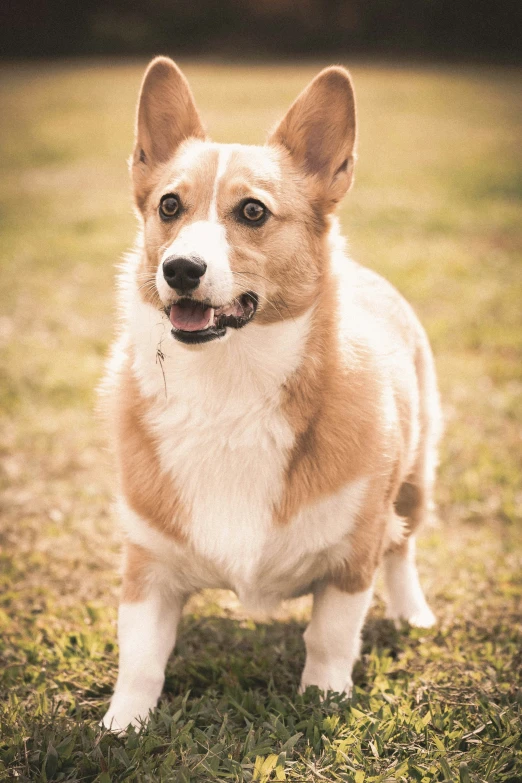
(228, 464)
(222, 436)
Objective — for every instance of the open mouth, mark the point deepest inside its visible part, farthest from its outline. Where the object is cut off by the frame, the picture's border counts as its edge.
(199, 322)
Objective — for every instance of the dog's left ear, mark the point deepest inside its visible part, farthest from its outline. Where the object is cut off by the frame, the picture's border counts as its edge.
(319, 131)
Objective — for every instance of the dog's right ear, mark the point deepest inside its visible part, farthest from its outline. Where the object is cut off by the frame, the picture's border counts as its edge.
(167, 115)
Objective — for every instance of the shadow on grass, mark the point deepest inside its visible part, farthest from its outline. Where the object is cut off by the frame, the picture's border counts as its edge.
(222, 653)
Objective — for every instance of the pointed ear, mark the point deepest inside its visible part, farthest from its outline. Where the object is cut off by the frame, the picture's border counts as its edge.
(319, 131)
(167, 115)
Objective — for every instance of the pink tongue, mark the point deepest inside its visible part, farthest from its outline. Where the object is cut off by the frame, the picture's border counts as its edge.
(189, 316)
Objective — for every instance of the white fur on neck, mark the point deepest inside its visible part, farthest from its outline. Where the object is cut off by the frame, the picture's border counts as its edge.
(215, 411)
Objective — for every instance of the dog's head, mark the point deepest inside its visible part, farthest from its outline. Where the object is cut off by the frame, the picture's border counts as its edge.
(235, 232)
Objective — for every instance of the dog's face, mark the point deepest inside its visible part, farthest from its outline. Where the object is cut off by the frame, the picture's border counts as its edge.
(235, 232)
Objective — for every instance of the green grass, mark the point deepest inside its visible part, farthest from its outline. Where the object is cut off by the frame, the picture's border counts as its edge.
(436, 208)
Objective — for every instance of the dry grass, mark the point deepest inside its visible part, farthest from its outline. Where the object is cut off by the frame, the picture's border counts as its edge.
(436, 208)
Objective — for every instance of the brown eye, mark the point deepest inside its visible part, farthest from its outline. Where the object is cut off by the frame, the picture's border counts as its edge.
(253, 211)
(169, 206)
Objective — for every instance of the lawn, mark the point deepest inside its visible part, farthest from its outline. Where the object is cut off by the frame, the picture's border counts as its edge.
(435, 208)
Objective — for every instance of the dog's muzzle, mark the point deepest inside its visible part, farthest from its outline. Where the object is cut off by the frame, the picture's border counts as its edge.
(200, 322)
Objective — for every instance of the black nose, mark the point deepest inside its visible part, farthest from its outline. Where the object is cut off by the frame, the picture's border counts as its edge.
(183, 274)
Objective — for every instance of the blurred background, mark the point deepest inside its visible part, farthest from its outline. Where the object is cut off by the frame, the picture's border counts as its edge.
(456, 29)
(435, 208)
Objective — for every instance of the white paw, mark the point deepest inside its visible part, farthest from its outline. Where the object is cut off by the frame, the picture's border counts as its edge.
(111, 721)
(326, 677)
(417, 615)
(125, 711)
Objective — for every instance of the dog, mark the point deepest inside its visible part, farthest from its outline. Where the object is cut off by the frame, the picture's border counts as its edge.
(274, 405)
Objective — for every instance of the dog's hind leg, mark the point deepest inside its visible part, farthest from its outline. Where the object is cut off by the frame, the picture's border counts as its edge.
(405, 597)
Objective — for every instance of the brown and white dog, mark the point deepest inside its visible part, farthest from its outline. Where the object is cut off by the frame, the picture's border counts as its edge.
(275, 405)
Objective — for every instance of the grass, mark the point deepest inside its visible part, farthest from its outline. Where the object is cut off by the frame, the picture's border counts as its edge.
(436, 208)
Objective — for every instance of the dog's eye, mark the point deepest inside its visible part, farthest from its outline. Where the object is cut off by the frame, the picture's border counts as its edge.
(169, 206)
(253, 211)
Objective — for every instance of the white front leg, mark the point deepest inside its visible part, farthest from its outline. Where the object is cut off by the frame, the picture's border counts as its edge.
(333, 638)
(146, 634)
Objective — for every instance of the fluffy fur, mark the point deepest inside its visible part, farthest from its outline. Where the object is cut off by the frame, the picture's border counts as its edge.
(291, 455)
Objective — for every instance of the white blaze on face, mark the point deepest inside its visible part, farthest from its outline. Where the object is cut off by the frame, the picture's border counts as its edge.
(206, 240)
(225, 153)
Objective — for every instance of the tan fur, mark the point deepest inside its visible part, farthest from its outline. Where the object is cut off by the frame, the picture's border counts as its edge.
(261, 260)
(323, 150)
(166, 105)
(333, 404)
(138, 563)
(293, 453)
(148, 491)
(366, 544)
(333, 408)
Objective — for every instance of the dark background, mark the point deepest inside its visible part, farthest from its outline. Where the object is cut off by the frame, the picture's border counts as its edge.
(483, 30)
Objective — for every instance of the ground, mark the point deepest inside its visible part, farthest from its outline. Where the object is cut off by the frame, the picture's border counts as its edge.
(436, 208)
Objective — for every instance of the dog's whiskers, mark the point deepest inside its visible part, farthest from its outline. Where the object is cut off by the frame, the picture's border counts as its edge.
(265, 298)
(280, 299)
(147, 285)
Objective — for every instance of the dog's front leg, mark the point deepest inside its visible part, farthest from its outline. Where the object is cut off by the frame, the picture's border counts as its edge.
(333, 637)
(147, 623)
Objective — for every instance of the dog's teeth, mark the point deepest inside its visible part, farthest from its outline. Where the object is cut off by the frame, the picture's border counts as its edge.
(211, 318)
